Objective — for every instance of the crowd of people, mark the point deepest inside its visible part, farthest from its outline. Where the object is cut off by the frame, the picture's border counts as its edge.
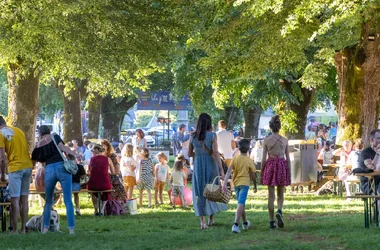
(200, 152)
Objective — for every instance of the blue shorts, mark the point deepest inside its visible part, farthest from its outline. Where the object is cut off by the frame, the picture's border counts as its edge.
(76, 186)
(241, 193)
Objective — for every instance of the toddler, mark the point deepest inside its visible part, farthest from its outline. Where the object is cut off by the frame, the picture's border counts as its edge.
(162, 175)
(145, 176)
(177, 183)
(128, 167)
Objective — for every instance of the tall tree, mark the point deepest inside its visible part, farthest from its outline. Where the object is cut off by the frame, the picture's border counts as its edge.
(113, 111)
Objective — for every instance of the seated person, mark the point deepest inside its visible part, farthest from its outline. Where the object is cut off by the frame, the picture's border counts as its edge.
(99, 179)
(369, 158)
(76, 185)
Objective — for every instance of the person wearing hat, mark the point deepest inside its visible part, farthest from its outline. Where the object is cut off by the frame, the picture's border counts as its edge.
(185, 143)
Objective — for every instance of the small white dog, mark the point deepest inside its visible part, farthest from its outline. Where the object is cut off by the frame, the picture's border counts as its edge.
(37, 222)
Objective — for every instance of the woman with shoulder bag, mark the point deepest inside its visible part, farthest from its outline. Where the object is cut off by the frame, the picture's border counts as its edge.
(207, 165)
(47, 152)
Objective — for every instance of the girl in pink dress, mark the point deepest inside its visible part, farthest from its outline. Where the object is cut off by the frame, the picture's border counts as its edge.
(276, 170)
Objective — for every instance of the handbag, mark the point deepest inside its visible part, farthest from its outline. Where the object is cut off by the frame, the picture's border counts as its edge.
(70, 166)
(114, 207)
(215, 193)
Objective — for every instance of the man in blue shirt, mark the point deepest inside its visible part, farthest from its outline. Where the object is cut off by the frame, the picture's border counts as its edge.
(332, 132)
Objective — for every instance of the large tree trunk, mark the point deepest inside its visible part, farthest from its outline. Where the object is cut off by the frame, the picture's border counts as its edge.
(23, 102)
(72, 118)
(359, 86)
(251, 119)
(113, 112)
(300, 109)
(94, 105)
(230, 116)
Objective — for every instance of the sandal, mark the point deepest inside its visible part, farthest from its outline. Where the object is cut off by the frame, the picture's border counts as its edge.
(203, 226)
(211, 223)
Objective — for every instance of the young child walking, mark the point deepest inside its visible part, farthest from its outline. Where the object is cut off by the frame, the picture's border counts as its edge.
(145, 176)
(128, 167)
(177, 183)
(275, 170)
(162, 175)
(244, 171)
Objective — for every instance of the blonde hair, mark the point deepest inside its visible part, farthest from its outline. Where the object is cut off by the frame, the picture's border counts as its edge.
(162, 155)
(178, 165)
(128, 150)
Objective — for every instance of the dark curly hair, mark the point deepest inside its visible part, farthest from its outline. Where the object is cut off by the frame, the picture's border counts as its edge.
(275, 123)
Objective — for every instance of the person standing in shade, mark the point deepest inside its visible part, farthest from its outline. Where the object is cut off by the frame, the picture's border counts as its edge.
(207, 164)
(275, 170)
(178, 139)
(46, 152)
(17, 160)
(226, 143)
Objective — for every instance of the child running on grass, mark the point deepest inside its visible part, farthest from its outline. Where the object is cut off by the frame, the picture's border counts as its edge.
(177, 183)
(162, 175)
(128, 167)
(145, 176)
(244, 170)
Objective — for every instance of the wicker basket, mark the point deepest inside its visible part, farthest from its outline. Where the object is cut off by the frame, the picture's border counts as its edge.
(214, 193)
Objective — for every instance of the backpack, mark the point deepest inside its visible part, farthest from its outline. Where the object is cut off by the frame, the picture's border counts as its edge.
(114, 207)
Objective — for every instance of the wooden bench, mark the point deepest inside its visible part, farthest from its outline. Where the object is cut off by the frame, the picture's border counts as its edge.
(368, 208)
(3, 206)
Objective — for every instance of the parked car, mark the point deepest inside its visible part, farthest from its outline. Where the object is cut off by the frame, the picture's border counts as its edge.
(161, 135)
(150, 141)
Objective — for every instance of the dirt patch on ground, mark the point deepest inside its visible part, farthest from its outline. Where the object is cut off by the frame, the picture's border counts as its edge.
(307, 238)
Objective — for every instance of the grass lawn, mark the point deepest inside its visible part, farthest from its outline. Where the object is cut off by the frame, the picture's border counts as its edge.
(311, 222)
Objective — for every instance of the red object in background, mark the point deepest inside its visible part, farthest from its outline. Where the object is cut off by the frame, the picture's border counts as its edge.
(188, 196)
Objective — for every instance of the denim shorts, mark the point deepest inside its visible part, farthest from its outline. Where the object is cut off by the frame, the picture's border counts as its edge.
(76, 186)
(19, 182)
(241, 194)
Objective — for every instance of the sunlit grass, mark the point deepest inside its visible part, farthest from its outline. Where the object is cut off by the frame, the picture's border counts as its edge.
(311, 222)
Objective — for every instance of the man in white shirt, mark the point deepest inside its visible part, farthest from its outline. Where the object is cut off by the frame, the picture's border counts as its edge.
(226, 143)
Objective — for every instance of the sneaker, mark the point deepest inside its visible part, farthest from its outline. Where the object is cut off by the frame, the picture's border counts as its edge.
(272, 224)
(245, 227)
(77, 212)
(235, 229)
(280, 222)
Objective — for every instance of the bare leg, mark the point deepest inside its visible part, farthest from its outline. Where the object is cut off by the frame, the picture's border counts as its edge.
(174, 201)
(271, 197)
(149, 198)
(76, 201)
(161, 198)
(24, 212)
(203, 222)
(15, 208)
(182, 201)
(280, 196)
(130, 192)
(126, 191)
(155, 196)
(141, 197)
(95, 203)
(239, 213)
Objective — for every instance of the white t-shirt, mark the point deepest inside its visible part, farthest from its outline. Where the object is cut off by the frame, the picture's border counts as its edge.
(162, 172)
(178, 177)
(224, 139)
(125, 163)
(257, 154)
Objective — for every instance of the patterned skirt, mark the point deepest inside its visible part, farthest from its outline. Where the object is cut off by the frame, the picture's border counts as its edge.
(276, 172)
(146, 182)
(117, 185)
